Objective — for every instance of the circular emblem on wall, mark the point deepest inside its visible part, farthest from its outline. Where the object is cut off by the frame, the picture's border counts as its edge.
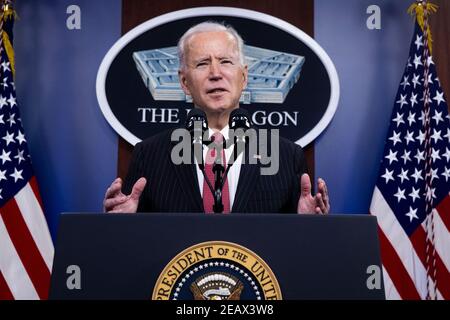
(217, 270)
(292, 83)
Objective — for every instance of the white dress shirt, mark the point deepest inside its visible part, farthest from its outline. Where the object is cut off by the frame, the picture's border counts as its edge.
(233, 173)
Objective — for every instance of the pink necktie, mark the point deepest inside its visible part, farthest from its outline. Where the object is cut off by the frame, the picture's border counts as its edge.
(208, 198)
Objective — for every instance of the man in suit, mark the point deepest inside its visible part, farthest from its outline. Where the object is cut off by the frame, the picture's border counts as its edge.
(213, 72)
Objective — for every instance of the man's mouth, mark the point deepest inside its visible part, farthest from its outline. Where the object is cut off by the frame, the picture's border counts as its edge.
(216, 90)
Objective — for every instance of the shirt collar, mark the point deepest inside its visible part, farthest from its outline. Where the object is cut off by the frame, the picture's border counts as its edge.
(225, 132)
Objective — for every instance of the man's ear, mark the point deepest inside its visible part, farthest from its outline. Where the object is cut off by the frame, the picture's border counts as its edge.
(183, 82)
(245, 76)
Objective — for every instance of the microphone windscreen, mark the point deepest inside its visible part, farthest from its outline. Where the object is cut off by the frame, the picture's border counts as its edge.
(196, 115)
(239, 119)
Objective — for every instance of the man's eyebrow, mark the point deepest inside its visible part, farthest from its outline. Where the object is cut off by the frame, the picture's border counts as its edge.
(202, 59)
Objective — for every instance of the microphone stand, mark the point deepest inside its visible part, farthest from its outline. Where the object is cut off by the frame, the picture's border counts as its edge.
(218, 170)
(219, 182)
(220, 174)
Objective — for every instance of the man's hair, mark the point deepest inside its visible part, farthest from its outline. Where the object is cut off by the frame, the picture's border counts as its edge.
(209, 26)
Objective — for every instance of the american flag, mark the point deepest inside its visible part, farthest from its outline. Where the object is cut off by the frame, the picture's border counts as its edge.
(26, 248)
(411, 198)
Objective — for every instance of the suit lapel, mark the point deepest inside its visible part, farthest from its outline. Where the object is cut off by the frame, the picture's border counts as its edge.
(188, 180)
(248, 179)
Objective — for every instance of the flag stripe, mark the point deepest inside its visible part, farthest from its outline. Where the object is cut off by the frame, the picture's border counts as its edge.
(389, 287)
(399, 242)
(34, 185)
(442, 278)
(12, 268)
(36, 223)
(396, 269)
(418, 239)
(26, 248)
(5, 293)
(444, 212)
(442, 239)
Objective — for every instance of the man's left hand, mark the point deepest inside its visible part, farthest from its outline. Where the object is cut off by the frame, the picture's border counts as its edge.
(319, 204)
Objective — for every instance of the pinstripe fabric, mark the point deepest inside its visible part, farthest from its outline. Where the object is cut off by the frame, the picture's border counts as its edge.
(174, 188)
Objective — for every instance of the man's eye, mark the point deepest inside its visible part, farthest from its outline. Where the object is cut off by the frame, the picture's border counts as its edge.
(227, 62)
(201, 64)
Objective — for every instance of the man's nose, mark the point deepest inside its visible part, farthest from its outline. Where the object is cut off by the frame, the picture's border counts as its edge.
(215, 71)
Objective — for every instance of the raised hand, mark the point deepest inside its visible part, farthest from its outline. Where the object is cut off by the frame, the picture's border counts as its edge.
(117, 202)
(319, 204)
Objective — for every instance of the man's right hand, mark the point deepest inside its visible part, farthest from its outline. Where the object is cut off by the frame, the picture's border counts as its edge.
(116, 202)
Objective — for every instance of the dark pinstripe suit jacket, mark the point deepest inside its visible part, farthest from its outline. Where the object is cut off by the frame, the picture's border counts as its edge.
(174, 188)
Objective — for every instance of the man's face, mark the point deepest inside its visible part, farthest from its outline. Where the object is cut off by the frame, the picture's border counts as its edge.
(213, 75)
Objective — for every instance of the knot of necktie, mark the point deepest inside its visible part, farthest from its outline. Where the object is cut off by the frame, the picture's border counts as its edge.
(217, 143)
(217, 137)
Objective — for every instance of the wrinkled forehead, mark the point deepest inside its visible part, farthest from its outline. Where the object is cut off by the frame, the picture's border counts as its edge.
(213, 42)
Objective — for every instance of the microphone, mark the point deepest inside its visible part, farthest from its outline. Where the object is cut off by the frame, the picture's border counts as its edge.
(239, 119)
(239, 122)
(197, 124)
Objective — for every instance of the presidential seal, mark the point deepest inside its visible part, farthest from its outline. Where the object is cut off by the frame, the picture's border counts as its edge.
(217, 270)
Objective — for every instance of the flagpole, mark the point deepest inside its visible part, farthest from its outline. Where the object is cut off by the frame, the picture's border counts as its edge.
(430, 251)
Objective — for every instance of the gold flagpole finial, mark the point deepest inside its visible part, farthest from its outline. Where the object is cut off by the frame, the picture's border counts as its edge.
(6, 14)
(418, 9)
(8, 10)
